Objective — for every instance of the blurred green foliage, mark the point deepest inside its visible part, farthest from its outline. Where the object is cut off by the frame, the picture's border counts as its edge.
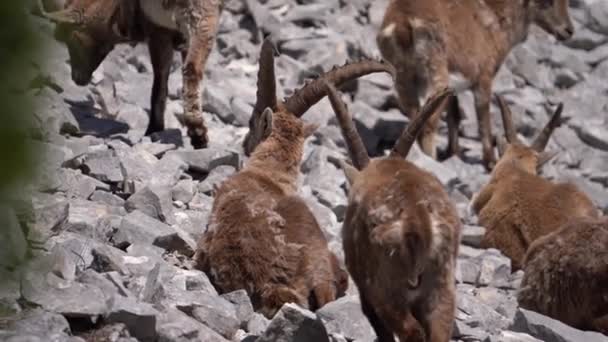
(18, 44)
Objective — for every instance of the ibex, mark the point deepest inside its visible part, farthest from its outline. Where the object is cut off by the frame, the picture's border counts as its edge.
(566, 275)
(401, 235)
(92, 28)
(433, 43)
(262, 237)
(518, 206)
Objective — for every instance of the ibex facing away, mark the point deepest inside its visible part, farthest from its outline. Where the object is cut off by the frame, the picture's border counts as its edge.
(566, 275)
(262, 237)
(92, 28)
(517, 206)
(401, 235)
(429, 41)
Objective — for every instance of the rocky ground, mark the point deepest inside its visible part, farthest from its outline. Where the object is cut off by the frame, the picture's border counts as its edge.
(117, 214)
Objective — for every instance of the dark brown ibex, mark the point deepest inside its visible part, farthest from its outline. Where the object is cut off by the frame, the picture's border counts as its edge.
(92, 28)
(401, 235)
(428, 40)
(566, 275)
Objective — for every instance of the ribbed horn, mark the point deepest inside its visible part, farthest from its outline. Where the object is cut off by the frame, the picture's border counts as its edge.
(354, 143)
(507, 121)
(313, 92)
(434, 105)
(542, 139)
(67, 16)
(266, 95)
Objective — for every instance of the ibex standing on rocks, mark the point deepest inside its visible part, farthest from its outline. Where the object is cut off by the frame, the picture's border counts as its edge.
(401, 235)
(431, 41)
(91, 29)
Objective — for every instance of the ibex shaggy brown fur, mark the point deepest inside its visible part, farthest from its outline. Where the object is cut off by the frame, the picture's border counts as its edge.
(401, 235)
(428, 40)
(517, 206)
(262, 237)
(566, 275)
(91, 29)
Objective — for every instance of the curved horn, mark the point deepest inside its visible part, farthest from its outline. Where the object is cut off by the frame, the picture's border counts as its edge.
(434, 105)
(68, 15)
(542, 139)
(267, 87)
(356, 148)
(313, 92)
(507, 121)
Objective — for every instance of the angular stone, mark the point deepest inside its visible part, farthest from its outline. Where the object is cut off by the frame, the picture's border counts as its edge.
(510, 336)
(183, 191)
(168, 170)
(293, 323)
(550, 330)
(47, 216)
(445, 175)
(13, 238)
(103, 165)
(107, 198)
(76, 185)
(344, 316)
(215, 178)
(69, 298)
(468, 270)
(475, 313)
(41, 323)
(472, 235)
(242, 305)
(495, 269)
(221, 317)
(140, 318)
(203, 161)
(137, 227)
(257, 324)
(155, 201)
(175, 326)
(463, 332)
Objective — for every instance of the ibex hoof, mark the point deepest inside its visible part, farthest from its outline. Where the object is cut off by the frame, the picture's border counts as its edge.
(198, 137)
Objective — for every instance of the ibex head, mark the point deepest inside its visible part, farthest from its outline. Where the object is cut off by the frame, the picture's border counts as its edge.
(553, 17)
(90, 29)
(515, 152)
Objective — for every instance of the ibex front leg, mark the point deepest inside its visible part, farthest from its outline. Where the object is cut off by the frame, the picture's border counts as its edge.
(203, 29)
(483, 95)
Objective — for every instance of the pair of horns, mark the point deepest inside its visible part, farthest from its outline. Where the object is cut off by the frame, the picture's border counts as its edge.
(541, 141)
(65, 16)
(354, 143)
(312, 92)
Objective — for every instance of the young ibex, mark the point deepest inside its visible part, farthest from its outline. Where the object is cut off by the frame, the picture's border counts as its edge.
(262, 237)
(566, 275)
(428, 40)
(401, 235)
(91, 29)
(517, 206)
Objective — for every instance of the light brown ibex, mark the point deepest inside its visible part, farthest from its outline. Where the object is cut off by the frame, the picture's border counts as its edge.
(262, 237)
(401, 235)
(430, 41)
(518, 206)
(566, 275)
(92, 28)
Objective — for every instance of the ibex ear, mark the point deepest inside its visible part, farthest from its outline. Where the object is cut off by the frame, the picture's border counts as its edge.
(350, 172)
(309, 129)
(266, 121)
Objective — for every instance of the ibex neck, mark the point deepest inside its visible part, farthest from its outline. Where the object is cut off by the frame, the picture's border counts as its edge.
(279, 158)
(514, 18)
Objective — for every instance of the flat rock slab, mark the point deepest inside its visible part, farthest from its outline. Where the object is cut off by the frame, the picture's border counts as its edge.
(550, 330)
